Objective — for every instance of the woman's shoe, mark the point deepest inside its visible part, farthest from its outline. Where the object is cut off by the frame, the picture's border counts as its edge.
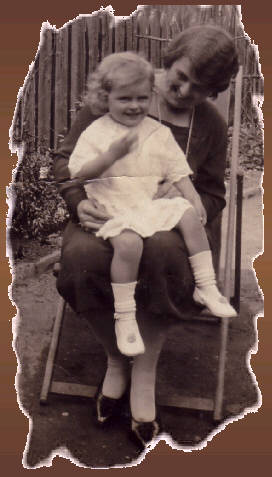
(106, 408)
(214, 301)
(142, 433)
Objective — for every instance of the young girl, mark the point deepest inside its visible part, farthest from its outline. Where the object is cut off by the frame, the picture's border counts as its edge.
(124, 156)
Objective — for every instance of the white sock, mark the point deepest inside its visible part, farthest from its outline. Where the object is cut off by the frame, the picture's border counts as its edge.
(206, 291)
(129, 340)
(202, 268)
(124, 301)
(116, 377)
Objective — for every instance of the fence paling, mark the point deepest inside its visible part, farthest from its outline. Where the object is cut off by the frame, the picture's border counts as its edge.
(44, 91)
(28, 112)
(120, 30)
(17, 128)
(135, 39)
(77, 66)
(92, 26)
(106, 34)
(165, 33)
(82, 65)
(174, 28)
(129, 33)
(142, 22)
(155, 30)
(61, 85)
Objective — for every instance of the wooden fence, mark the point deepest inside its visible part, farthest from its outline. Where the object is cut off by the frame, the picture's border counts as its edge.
(56, 83)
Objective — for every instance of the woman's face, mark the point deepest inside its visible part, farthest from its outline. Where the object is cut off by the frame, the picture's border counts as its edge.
(182, 90)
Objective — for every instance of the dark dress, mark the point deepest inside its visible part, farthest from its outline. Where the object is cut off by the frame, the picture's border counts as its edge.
(165, 283)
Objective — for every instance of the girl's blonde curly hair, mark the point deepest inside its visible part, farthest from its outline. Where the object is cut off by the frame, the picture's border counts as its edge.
(125, 68)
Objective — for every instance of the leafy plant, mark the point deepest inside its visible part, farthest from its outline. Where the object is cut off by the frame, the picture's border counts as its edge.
(38, 208)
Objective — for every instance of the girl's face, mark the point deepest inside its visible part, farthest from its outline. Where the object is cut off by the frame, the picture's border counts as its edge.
(182, 90)
(129, 104)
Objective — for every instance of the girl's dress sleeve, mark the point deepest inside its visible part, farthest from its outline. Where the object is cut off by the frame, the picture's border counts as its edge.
(85, 149)
(72, 193)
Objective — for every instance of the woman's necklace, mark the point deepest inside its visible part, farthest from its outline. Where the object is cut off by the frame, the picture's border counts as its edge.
(159, 114)
(190, 132)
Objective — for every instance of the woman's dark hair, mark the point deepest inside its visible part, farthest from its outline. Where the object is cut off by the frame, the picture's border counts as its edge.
(212, 53)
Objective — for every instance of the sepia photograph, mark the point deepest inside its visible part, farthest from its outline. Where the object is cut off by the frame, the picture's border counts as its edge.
(135, 216)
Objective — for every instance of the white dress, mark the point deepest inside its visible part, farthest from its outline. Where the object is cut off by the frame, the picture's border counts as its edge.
(126, 189)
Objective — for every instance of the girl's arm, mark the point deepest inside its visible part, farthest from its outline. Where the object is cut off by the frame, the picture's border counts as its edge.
(118, 149)
(188, 191)
(96, 167)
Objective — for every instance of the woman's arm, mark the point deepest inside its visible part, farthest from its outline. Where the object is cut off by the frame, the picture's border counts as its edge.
(209, 179)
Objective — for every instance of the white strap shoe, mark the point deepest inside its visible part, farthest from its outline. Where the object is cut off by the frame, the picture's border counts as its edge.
(129, 340)
(214, 301)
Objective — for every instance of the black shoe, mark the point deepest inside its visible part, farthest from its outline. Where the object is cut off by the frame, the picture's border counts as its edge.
(142, 433)
(106, 408)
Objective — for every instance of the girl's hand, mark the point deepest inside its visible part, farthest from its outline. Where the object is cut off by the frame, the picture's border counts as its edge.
(91, 215)
(123, 146)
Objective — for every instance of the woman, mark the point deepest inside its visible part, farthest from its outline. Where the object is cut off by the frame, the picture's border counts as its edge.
(199, 63)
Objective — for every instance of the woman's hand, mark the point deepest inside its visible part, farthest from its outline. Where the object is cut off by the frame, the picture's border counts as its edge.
(200, 209)
(163, 189)
(188, 191)
(91, 214)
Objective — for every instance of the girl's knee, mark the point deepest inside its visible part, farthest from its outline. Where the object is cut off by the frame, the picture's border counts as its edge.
(190, 214)
(128, 244)
(190, 220)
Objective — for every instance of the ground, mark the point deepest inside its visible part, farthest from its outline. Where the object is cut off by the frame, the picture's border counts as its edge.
(69, 422)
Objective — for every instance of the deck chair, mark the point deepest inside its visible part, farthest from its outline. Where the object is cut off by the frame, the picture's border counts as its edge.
(233, 241)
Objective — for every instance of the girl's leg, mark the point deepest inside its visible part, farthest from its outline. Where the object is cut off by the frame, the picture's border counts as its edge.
(127, 254)
(200, 258)
(193, 232)
(128, 248)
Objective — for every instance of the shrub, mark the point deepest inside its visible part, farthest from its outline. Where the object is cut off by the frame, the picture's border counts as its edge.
(38, 208)
(250, 147)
